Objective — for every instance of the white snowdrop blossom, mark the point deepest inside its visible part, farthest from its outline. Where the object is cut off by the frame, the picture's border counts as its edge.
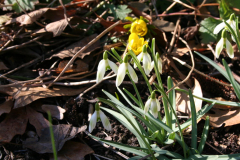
(224, 43)
(99, 115)
(103, 65)
(159, 63)
(145, 58)
(123, 69)
(222, 25)
(153, 104)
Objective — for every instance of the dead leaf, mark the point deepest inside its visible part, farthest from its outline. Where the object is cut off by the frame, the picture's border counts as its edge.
(62, 133)
(78, 66)
(183, 102)
(56, 111)
(29, 18)
(6, 106)
(140, 13)
(166, 26)
(27, 95)
(55, 27)
(14, 123)
(71, 50)
(222, 106)
(3, 67)
(73, 150)
(220, 117)
(3, 19)
(118, 28)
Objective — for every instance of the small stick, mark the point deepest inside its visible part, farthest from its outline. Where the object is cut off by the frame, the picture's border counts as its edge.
(174, 37)
(65, 14)
(83, 49)
(187, 14)
(5, 45)
(169, 7)
(190, 72)
(197, 71)
(184, 4)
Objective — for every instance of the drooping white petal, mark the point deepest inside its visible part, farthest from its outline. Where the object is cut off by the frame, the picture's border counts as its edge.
(113, 66)
(219, 47)
(105, 121)
(147, 63)
(132, 73)
(152, 65)
(154, 108)
(229, 49)
(101, 70)
(93, 121)
(159, 61)
(121, 73)
(219, 27)
(158, 105)
(147, 105)
(139, 57)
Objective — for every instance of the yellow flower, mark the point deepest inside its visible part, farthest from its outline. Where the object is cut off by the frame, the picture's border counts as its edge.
(135, 43)
(139, 27)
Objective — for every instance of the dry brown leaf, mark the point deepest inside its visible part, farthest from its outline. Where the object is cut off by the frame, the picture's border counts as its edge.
(62, 133)
(6, 106)
(73, 150)
(183, 102)
(140, 13)
(71, 50)
(55, 27)
(14, 123)
(163, 25)
(220, 117)
(78, 66)
(27, 95)
(30, 18)
(222, 106)
(56, 111)
(3, 67)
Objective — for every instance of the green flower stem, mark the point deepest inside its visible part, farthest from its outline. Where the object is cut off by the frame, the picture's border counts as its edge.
(165, 103)
(233, 33)
(163, 132)
(52, 136)
(136, 90)
(180, 130)
(95, 9)
(141, 70)
(112, 55)
(117, 55)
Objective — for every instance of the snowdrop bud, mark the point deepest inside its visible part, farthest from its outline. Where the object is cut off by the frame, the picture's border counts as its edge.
(153, 95)
(105, 55)
(97, 107)
(125, 59)
(232, 17)
(144, 50)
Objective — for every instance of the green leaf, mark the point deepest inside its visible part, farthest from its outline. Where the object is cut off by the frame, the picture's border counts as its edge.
(194, 122)
(122, 11)
(204, 135)
(233, 3)
(24, 5)
(206, 30)
(224, 10)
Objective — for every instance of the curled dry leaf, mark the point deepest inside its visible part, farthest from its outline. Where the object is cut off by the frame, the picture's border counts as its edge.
(62, 133)
(6, 106)
(56, 111)
(73, 150)
(78, 66)
(3, 67)
(55, 27)
(71, 50)
(16, 122)
(218, 117)
(183, 102)
(27, 95)
(30, 18)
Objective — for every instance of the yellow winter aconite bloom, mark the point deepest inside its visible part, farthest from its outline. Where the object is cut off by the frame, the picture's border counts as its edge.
(135, 43)
(139, 27)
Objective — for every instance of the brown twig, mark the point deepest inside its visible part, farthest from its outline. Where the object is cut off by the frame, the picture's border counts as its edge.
(83, 49)
(65, 14)
(184, 4)
(187, 14)
(8, 42)
(174, 37)
(197, 71)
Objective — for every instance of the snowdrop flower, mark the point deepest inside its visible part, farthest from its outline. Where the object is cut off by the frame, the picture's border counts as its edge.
(99, 115)
(146, 59)
(153, 104)
(159, 63)
(224, 43)
(123, 69)
(103, 65)
(222, 25)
